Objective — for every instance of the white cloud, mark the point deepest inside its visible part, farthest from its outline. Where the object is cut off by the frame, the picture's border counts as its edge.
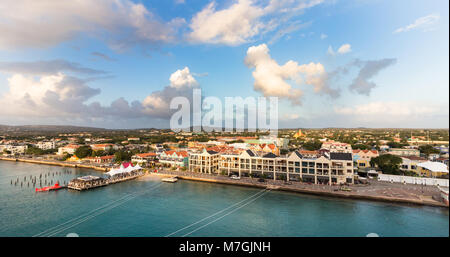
(29, 23)
(243, 20)
(272, 79)
(182, 78)
(422, 22)
(323, 36)
(181, 84)
(345, 48)
(63, 97)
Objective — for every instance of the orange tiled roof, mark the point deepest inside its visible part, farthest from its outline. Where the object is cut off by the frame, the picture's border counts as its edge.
(142, 155)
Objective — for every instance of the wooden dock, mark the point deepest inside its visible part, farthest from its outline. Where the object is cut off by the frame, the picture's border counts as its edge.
(90, 182)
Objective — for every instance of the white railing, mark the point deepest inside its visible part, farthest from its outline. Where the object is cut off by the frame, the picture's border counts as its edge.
(413, 180)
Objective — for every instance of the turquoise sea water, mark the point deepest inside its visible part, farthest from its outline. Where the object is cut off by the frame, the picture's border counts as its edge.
(147, 207)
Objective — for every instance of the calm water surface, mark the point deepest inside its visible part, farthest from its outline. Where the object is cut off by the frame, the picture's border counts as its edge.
(147, 207)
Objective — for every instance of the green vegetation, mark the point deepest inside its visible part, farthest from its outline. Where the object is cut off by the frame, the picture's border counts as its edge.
(122, 156)
(312, 145)
(388, 163)
(428, 149)
(66, 156)
(83, 151)
(37, 151)
(360, 147)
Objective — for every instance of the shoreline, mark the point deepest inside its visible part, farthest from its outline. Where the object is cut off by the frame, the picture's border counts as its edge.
(339, 194)
(55, 163)
(218, 180)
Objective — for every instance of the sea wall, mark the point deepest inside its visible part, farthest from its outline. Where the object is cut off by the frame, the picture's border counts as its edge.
(55, 163)
(340, 194)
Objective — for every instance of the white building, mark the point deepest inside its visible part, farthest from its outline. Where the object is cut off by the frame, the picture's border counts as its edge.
(46, 145)
(14, 149)
(337, 147)
(70, 149)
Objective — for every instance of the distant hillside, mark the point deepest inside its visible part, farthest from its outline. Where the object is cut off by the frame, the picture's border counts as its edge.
(49, 128)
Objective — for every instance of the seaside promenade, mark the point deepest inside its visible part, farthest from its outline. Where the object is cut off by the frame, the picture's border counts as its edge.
(374, 191)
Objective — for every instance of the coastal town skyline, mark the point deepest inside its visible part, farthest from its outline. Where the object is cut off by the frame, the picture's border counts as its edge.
(118, 64)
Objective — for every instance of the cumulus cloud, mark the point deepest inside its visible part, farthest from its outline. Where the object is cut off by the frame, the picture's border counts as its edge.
(369, 69)
(53, 95)
(272, 79)
(182, 78)
(67, 97)
(243, 20)
(323, 36)
(423, 22)
(29, 23)
(181, 84)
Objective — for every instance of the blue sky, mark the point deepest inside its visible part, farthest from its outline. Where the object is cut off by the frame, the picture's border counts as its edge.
(69, 63)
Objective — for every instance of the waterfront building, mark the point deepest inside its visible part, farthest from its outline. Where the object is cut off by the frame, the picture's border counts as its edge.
(101, 159)
(332, 168)
(433, 169)
(144, 158)
(409, 163)
(362, 157)
(46, 145)
(69, 149)
(206, 161)
(404, 152)
(14, 148)
(174, 158)
(103, 147)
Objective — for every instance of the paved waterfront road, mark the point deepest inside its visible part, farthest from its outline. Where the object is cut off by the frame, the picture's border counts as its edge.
(147, 207)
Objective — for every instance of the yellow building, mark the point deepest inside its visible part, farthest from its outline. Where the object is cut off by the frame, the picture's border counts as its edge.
(73, 158)
(299, 134)
(432, 169)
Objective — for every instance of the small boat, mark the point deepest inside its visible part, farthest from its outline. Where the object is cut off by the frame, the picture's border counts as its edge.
(56, 186)
(171, 180)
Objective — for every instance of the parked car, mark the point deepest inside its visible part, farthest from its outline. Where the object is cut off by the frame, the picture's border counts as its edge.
(235, 177)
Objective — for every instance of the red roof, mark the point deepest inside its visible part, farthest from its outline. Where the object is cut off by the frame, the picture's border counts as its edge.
(365, 151)
(146, 154)
(183, 153)
(107, 157)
